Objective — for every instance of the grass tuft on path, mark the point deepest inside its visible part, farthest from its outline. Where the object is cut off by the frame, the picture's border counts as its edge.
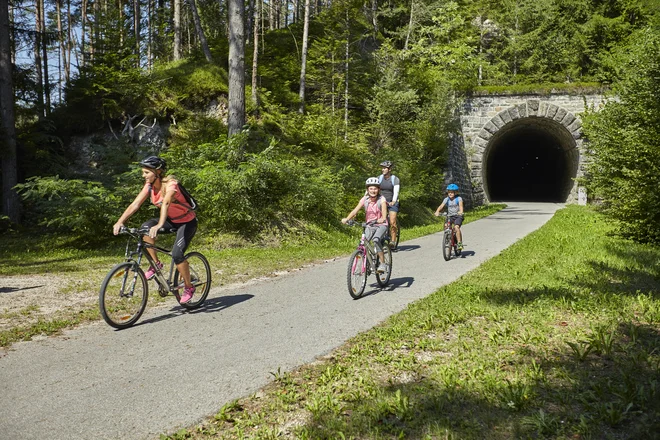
(557, 337)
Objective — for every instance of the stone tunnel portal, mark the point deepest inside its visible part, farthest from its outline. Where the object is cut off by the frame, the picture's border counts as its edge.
(530, 159)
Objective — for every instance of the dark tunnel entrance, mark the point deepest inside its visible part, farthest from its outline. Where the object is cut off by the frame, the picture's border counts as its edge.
(531, 159)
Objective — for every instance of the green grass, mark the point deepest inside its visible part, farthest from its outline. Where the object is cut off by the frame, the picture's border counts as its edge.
(557, 337)
(84, 267)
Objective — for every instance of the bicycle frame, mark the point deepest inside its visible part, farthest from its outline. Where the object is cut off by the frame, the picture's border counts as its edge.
(367, 248)
(449, 225)
(164, 284)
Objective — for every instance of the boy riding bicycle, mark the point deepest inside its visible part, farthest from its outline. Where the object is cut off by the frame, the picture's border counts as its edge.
(375, 207)
(454, 211)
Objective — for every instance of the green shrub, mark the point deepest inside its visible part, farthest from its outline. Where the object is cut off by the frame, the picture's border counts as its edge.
(624, 141)
(268, 189)
(86, 208)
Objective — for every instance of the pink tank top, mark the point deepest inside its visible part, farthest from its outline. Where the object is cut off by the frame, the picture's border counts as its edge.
(373, 210)
(179, 211)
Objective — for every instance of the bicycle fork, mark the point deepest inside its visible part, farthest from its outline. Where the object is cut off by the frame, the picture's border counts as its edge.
(363, 269)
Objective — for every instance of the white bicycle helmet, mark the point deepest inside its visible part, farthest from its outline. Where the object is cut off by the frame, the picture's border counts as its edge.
(372, 181)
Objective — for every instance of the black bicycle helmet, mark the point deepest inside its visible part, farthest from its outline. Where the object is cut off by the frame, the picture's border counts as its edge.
(154, 162)
(387, 163)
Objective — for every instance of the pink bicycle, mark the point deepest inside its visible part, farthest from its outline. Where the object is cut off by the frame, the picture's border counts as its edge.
(364, 262)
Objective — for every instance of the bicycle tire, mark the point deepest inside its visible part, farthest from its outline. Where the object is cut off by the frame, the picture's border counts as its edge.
(121, 310)
(446, 245)
(384, 278)
(356, 281)
(200, 275)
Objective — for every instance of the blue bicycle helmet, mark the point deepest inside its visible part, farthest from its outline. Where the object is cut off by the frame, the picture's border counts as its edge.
(452, 187)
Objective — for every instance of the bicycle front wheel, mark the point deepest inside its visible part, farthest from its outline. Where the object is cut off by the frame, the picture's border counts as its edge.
(384, 278)
(446, 245)
(357, 274)
(123, 295)
(200, 276)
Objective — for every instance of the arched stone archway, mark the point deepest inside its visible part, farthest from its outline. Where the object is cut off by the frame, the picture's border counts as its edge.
(529, 151)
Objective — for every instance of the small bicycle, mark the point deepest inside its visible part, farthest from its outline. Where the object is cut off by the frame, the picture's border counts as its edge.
(364, 262)
(124, 292)
(449, 241)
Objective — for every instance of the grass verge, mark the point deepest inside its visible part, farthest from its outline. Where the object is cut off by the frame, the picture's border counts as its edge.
(30, 255)
(557, 337)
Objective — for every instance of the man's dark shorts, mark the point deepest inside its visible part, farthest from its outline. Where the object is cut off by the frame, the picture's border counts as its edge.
(393, 208)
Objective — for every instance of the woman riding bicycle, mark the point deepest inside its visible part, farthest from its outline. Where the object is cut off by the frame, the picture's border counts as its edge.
(454, 211)
(175, 213)
(375, 207)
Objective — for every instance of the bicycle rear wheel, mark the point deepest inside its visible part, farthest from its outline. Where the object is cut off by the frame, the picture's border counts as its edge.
(123, 295)
(357, 274)
(446, 245)
(200, 276)
(384, 278)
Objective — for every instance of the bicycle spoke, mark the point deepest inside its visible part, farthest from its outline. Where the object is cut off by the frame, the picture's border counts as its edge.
(123, 295)
(357, 274)
(200, 277)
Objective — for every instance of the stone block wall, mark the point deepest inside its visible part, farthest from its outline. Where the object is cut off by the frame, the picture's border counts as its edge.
(482, 117)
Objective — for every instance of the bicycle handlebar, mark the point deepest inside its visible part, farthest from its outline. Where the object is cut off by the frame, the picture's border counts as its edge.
(354, 223)
(143, 231)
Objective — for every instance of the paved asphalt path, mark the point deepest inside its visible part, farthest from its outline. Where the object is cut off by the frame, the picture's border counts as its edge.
(174, 368)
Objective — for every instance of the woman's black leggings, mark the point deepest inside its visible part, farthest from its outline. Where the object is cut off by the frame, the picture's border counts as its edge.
(184, 234)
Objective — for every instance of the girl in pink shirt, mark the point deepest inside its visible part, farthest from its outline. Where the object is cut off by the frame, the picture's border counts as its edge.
(375, 207)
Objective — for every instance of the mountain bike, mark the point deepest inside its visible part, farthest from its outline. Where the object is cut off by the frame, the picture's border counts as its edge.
(124, 291)
(449, 241)
(364, 262)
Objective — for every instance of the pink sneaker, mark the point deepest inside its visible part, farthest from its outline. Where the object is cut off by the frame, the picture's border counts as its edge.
(188, 293)
(152, 272)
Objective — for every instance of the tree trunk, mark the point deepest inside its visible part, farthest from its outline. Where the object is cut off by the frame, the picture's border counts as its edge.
(120, 6)
(150, 31)
(200, 32)
(271, 21)
(374, 16)
(190, 38)
(410, 25)
(236, 117)
(255, 52)
(303, 64)
(177, 30)
(95, 32)
(60, 32)
(38, 67)
(137, 28)
(69, 43)
(250, 19)
(346, 65)
(10, 202)
(83, 52)
(44, 54)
